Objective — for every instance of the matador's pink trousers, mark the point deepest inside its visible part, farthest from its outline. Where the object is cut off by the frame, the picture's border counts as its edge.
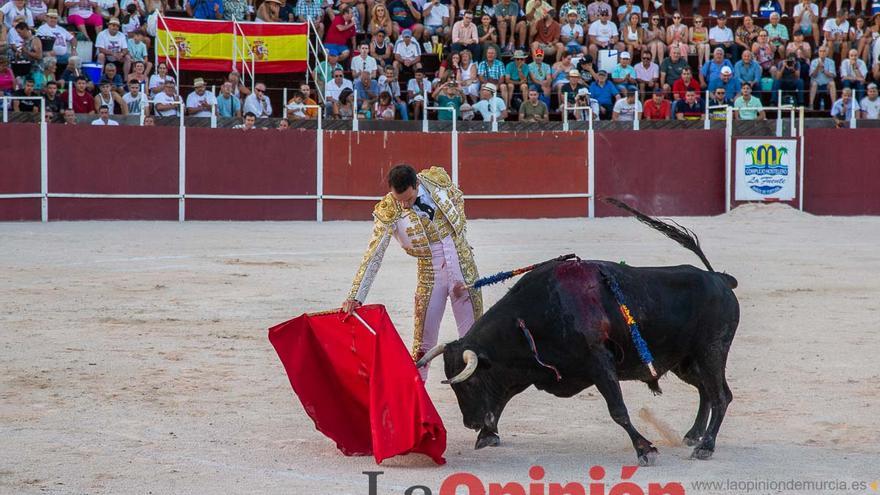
(447, 272)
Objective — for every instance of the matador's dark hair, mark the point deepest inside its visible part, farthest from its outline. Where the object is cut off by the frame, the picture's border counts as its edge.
(402, 177)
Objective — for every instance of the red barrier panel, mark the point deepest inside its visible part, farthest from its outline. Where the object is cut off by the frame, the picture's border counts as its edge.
(259, 162)
(661, 172)
(113, 160)
(524, 163)
(112, 209)
(251, 209)
(841, 177)
(20, 171)
(357, 164)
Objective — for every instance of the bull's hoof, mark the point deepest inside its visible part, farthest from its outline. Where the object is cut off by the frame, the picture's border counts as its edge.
(487, 439)
(691, 441)
(649, 458)
(701, 454)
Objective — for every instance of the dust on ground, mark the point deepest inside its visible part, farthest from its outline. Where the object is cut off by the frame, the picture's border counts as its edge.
(134, 356)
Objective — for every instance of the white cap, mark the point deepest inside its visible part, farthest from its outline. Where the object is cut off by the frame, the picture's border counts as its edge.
(583, 92)
(625, 55)
(726, 70)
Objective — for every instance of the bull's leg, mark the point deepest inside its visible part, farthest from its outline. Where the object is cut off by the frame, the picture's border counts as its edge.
(714, 383)
(603, 374)
(689, 373)
(695, 434)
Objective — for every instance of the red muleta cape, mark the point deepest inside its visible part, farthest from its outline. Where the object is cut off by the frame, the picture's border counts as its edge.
(362, 390)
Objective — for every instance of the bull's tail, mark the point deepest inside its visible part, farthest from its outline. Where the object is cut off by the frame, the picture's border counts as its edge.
(682, 235)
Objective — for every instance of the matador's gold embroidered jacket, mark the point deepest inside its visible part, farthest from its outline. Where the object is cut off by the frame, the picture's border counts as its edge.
(415, 233)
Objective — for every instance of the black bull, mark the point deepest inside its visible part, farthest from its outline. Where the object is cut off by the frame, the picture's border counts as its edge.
(687, 316)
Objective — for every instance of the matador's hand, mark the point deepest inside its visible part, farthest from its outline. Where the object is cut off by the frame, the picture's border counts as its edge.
(459, 289)
(349, 306)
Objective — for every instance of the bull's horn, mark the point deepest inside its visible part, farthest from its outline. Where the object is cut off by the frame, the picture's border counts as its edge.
(470, 365)
(434, 352)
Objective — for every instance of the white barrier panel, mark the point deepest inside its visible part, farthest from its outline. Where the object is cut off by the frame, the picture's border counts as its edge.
(453, 136)
(765, 168)
(591, 161)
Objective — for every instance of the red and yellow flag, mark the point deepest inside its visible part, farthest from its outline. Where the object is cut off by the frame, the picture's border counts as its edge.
(276, 47)
(203, 45)
(211, 45)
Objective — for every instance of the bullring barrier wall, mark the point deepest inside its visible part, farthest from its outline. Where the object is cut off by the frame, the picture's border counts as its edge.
(132, 173)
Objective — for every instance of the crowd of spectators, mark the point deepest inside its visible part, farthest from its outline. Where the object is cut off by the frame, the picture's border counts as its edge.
(501, 59)
(619, 59)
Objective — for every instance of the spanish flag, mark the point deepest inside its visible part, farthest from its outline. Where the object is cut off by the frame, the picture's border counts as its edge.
(276, 47)
(211, 45)
(203, 45)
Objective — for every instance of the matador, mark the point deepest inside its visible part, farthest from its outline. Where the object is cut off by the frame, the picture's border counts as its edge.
(424, 212)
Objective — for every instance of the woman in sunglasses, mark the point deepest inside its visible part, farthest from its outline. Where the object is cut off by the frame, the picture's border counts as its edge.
(655, 36)
(677, 36)
(699, 40)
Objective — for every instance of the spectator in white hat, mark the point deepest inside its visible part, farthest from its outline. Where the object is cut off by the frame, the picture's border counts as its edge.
(200, 102)
(568, 91)
(112, 45)
(65, 41)
(583, 100)
(490, 104)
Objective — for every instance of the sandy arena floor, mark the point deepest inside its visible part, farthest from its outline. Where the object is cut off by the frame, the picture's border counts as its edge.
(134, 357)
